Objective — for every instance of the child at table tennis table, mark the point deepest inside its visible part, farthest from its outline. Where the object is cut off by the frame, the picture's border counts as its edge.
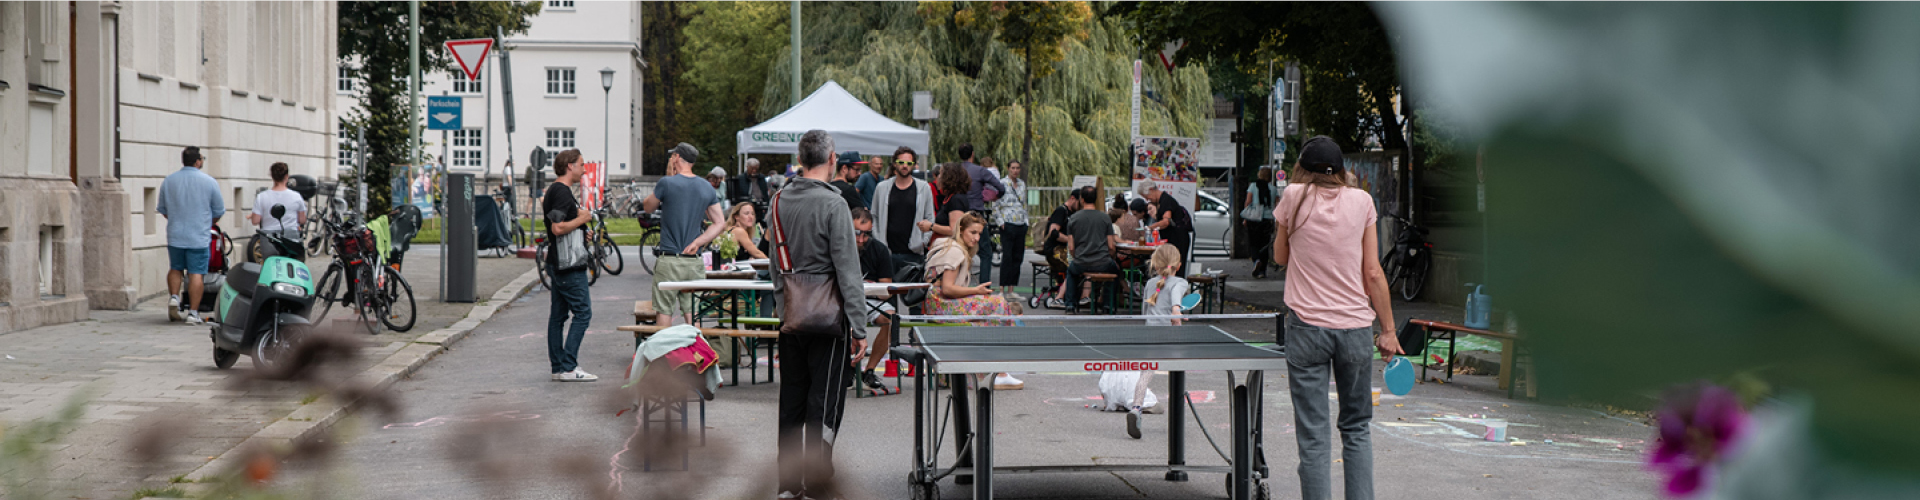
(1163, 295)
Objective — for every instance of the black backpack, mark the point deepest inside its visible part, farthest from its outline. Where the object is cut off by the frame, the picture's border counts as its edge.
(911, 273)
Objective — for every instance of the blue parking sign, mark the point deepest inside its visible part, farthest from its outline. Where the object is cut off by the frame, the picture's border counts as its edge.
(443, 112)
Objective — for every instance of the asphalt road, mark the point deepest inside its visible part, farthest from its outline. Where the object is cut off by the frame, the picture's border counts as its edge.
(485, 421)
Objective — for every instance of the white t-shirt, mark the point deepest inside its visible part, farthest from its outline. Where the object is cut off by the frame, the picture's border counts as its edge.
(263, 206)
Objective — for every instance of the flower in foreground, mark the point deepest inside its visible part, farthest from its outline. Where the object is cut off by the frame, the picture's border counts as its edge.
(1698, 427)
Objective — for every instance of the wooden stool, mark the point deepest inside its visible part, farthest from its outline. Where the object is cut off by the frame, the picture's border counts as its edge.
(1108, 282)
(1212, 290)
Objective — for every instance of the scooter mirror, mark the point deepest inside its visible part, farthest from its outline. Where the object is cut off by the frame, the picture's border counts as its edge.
(278, 211)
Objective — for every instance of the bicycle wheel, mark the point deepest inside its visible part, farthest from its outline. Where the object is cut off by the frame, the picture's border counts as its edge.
(327, 291)
(540, 265)
(1416, 275)
(609, 254)
(397, 296)
(649, 238)
(1391, 265)
(366, 298)
(593, 268)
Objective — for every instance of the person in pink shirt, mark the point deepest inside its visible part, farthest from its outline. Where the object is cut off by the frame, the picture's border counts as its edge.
(1335, 288)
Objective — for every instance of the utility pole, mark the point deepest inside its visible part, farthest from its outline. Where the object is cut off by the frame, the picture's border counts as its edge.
(413, 81)
(796, 52)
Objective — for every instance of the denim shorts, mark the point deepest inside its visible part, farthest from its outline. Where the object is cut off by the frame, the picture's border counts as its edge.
(191, 260)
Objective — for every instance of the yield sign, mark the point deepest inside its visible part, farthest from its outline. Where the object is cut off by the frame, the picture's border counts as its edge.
(470, 53)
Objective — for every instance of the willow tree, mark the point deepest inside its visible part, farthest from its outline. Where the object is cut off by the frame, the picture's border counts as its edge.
(1079, 112)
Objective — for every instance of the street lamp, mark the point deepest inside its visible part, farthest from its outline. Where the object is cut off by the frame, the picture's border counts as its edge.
(606, 124)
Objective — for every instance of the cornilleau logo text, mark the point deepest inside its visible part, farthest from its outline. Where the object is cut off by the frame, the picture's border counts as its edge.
(1122, 366)
(775, 136)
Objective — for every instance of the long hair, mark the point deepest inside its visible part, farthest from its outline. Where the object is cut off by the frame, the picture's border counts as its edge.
(953, 180)
(1163, 257)
(733, 216)
(970, 220)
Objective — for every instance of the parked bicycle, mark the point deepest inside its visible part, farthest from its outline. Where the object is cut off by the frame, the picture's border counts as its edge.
(595, 253)
(649, 239)
(358, 276)
(1410, 259)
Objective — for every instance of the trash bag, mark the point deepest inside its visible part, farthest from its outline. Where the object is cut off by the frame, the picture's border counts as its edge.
(492, 228)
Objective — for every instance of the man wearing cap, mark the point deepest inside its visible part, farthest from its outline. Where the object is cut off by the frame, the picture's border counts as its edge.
(849, 167)
(681, 198)
(1174, 222)
(190, 200)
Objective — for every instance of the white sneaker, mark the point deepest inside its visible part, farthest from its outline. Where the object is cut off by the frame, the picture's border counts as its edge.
(577, 375)
(173, 301)
(1008, 383)
(1133, 423)
(193, 318)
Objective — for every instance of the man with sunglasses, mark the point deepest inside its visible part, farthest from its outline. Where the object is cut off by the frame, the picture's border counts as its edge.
(900, 203)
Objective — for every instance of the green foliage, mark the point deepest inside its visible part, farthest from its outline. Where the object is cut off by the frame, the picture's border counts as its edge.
(151, 492)
(373, 40)
(1339, 41)
(24, 464)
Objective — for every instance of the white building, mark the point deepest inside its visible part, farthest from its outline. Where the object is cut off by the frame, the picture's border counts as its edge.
(100, 98)
(557, 70)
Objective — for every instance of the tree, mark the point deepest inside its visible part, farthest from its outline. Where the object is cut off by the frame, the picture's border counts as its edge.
(373, 37)
(725, 54)
(1342, 45)
(661, 94)
(1033, 29)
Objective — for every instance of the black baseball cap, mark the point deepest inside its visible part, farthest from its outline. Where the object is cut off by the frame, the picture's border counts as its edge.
(851, 158)
(686, 151)
(1321, 155)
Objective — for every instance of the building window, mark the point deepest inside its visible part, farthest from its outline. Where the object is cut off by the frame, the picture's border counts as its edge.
(466, 148)
(560, 81)
(343, 145)
(558, 139)
(560, 4)
(343, 81)
(462, 85)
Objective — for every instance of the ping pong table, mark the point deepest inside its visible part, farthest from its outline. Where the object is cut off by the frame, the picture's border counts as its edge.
(962, 352)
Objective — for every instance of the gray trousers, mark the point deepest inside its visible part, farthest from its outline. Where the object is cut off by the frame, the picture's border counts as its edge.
(1312, 353)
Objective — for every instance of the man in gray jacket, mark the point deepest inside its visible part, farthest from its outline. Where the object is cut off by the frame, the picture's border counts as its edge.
(897, 204)
(815, 369)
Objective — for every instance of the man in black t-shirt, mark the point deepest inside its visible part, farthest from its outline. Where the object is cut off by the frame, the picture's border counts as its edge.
(565, 216)
(1055, 237)
(1174, 222)
(849, 167)
(876, 266)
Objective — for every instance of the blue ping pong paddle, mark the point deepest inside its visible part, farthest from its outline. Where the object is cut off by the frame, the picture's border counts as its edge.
(1399, 376)
(1189, 302)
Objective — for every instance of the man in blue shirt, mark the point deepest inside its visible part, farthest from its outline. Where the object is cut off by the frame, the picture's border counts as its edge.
(682, 199)
(983, 180)
(190, 200)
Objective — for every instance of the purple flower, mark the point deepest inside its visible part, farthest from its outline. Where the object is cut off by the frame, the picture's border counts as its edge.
(1698, 427)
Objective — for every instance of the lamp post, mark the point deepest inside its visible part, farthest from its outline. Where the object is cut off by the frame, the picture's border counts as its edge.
(606, 123)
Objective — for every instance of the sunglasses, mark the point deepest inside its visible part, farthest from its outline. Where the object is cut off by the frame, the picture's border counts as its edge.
(868, 234)
(907, 163)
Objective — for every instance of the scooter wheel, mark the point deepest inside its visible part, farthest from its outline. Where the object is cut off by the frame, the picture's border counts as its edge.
(1033, 302)
(223, 359)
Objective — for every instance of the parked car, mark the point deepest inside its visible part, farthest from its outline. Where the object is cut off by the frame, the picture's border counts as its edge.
(1212, 225)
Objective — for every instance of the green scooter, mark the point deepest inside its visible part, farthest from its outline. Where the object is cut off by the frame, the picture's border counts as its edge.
(263, 307)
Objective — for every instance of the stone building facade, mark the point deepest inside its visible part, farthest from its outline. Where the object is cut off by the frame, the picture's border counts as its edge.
(99, 98)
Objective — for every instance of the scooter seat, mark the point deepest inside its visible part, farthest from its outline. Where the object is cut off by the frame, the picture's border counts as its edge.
(244, 277)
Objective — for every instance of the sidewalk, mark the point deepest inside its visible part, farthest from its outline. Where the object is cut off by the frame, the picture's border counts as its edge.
(142, 370)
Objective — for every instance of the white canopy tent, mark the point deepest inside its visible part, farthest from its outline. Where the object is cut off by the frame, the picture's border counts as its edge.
(855, 127)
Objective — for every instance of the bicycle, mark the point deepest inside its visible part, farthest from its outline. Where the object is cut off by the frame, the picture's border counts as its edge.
(540, 260)
(1407, 264)
(649, 239)
(376, 289)
(600, 240)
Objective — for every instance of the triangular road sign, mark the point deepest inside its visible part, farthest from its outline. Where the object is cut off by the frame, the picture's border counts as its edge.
(470, 53)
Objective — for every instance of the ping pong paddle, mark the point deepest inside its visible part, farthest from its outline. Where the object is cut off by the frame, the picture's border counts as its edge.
(1189, 302)
(1399, 376)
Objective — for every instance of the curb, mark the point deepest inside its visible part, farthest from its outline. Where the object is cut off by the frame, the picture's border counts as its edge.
(311, 419)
